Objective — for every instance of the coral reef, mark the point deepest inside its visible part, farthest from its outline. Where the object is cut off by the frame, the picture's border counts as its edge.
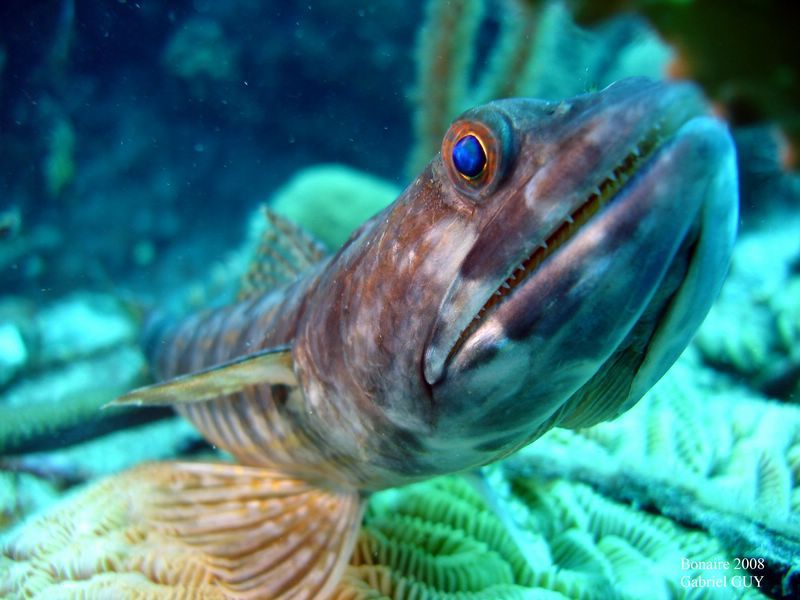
(330, 201)
(699, 450)
(69, 396)
(41, 562)
(438, 539)
(753, 332)
(22, 494)
(75, 327)
(456, 71)
(13, 353)
(706, 468)
(31, 483)
(164, 530)
(76, 354)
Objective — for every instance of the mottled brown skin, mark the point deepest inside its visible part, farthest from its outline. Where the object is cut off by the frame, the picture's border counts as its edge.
(364, 410)
(362, 340)
(385, 396)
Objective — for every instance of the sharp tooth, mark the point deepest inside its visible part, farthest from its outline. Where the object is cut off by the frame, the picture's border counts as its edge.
(506, 285)
(543, 245)
(569, 219)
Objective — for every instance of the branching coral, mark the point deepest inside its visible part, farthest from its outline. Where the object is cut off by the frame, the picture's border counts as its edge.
(536, 51)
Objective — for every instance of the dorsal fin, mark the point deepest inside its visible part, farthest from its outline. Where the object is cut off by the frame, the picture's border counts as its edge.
(284, 251)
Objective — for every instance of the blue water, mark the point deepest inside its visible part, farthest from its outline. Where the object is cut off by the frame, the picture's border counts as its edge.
(183, 117)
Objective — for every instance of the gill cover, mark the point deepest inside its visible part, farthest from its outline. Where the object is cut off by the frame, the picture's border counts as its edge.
(618, 211)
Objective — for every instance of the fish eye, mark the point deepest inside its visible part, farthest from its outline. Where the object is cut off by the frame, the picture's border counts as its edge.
(476, 153)
(469, 157)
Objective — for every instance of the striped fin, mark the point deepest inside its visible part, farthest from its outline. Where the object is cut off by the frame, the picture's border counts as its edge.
(263, 535)
(602, 397)
(188, 530)
(273, 367)
(284, 251)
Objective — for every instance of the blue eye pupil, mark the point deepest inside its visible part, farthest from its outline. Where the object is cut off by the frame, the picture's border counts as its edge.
(469, 158)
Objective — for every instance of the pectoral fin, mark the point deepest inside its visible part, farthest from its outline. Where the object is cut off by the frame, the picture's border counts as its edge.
(263, 535)
(602, 397)
(273, 366)
(188, 530)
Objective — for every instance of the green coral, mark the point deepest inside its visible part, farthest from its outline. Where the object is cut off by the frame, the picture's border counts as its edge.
(754, 329)
(13, 351)
(785, 307)
(439, 539)
(21, 493)
(330, 201)
(700, 450)
(67, 396)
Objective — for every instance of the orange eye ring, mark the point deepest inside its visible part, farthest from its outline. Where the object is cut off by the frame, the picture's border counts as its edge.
(487, 157)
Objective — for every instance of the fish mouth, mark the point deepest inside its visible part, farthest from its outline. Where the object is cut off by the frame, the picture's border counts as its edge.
(574, 165)
(600, 196)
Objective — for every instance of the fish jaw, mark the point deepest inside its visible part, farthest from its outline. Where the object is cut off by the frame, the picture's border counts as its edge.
(563, 154)
(517, 366)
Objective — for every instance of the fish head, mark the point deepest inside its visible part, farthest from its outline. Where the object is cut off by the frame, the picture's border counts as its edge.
(545, 269)
(601, 231)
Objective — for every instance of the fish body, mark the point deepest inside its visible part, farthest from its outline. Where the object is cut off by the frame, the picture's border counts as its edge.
(545, 272)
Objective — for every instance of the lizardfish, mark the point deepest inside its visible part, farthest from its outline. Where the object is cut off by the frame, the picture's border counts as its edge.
(544, 270)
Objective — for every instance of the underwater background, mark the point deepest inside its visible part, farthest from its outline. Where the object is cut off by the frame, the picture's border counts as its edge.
(138, 141)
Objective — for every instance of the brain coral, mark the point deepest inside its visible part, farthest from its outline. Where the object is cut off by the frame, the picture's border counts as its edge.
(440, 540)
